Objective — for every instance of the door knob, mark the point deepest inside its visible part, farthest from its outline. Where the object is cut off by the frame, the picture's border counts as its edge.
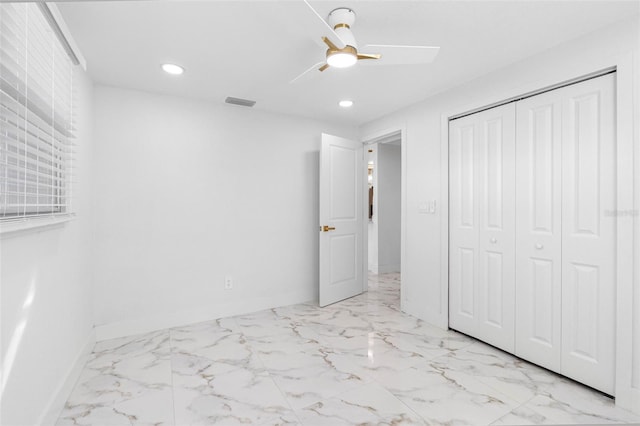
(539, 246)
(493, 240)
(326, 228)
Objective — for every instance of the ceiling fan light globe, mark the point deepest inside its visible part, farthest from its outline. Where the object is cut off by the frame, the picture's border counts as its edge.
(342, 60)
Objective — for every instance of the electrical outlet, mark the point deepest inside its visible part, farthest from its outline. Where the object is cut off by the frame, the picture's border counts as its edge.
(228, 282)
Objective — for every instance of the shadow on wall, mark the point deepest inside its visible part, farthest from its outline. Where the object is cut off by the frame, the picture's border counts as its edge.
(312, 162)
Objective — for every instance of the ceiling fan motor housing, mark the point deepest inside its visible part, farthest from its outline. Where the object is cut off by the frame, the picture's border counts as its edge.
(341, 20)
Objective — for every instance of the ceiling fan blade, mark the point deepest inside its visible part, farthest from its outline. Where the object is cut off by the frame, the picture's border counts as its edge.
(369, 56)
(308, 72)
(318, 28)
(401, 55)
(329, 44)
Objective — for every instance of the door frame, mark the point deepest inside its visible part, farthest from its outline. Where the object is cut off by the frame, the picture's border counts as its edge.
(626, 395)
(371, 139)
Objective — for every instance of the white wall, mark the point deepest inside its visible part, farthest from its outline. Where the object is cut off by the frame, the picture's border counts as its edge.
(45, 296)
(424, 281)
(191, 191)
(388, 196)
(632, 339)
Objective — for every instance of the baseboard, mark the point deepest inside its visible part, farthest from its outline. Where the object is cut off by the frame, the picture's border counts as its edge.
(385, 269)
(435, 319)
(629, 399)
(205, 313)
(60, 397)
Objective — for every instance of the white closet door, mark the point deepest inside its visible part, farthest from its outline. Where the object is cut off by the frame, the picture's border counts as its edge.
(539, 230)
(529, 226)
(496, 214)
(482, 212)
(463, 225)
(588, 236)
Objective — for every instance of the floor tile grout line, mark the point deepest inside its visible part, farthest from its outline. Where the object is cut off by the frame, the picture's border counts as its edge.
(173, 391)
(284, 396)
(426, 421)
(520, 406)
(338, 396)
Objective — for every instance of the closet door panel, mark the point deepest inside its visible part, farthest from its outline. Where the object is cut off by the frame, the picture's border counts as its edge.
(538, 230)
(496, 214)
(588, 240)
(463, 225)
(482, 230)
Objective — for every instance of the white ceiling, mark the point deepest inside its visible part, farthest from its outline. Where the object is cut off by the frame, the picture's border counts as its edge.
(252, 49)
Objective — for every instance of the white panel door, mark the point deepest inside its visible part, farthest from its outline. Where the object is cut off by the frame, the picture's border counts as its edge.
(539, 230)
(496, 214)
(482, 200)
(464, 229)
(588, 233)
(341, 219)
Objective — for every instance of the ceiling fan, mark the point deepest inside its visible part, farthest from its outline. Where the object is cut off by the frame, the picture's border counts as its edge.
(342, 49)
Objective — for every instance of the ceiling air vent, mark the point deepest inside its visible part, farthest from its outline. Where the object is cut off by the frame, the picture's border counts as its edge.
(238, 101)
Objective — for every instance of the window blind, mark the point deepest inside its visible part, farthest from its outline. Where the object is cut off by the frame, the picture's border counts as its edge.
(36, 115)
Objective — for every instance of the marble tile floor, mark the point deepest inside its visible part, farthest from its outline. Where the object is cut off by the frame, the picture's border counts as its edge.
(360, 361)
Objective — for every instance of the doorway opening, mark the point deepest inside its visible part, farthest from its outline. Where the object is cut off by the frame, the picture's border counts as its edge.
(384, 211)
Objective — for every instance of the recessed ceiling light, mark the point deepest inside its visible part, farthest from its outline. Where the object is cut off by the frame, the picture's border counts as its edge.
(346, 104)
(172, 69)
